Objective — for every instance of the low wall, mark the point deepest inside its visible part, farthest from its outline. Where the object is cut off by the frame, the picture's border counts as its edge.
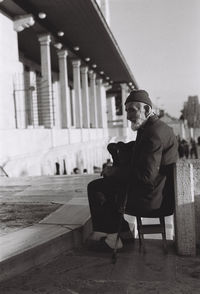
(32, 152)
(119, 133)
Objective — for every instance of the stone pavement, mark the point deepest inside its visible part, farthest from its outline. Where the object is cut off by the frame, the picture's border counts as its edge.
(65, 228)
(84, 271)
(53, 258)
(43, 189)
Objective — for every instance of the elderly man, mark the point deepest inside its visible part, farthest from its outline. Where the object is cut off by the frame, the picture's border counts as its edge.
(143, 177)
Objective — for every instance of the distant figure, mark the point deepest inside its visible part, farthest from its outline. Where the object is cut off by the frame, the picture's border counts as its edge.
(107, 163)
(186, 149)
(193, 149)
(57, 168)
(181, 149)
(76, 171)
(64, 168)
(96, 169)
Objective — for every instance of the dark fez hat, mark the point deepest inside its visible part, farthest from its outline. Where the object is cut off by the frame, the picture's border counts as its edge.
(139, 96)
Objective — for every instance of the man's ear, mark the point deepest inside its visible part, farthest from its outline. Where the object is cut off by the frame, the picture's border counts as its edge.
(147, 109)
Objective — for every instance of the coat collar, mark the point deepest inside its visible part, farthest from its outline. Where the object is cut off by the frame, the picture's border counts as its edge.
(149, 122)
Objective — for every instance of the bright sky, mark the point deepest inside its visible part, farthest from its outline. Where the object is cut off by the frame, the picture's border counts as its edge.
(160, 40)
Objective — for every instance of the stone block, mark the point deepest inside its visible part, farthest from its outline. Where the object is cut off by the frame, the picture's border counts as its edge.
(196, 166)
(185, 209)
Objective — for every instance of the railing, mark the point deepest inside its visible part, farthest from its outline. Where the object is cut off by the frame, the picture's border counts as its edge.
(34, 104)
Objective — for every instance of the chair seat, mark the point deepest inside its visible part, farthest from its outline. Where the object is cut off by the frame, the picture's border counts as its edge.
(155, 213)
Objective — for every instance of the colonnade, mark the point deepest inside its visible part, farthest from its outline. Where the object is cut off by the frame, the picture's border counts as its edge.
(80, 103)
(85, 102)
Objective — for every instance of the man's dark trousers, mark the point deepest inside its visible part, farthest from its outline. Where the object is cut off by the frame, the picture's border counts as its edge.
(105, 199)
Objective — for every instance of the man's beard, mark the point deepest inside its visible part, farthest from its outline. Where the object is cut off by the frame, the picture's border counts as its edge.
(136, 125)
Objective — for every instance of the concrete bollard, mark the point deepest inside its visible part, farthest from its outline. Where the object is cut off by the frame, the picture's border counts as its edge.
(185, 209)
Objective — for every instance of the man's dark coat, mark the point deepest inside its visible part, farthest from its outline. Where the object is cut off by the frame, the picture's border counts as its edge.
(153, 154)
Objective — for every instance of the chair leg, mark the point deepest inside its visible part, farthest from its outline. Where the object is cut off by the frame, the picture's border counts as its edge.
(140, 235)
(138, 228)
(162, 222)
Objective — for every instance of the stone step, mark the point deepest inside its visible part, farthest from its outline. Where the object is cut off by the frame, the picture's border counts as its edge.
(66, 228)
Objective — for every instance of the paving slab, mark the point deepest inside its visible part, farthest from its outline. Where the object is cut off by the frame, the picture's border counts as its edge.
(68, 215)
(27, 238)
(79, 201)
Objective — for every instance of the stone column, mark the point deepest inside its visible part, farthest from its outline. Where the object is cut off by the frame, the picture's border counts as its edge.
(46, 83)
(65, 113)
(56, 99)
(28, 99)
(77, 90)
(191, 133)
(111, 110)
(124, 96)
(85, 97)
(93, 98)
(73, 112)
(101, 105)
(182, 129)
(105, 110)
(33, 93)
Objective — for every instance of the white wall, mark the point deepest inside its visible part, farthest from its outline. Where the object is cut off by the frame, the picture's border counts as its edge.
(9, 65)
(35, 151)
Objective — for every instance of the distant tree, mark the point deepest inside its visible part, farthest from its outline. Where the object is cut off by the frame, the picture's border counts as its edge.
(191, 112)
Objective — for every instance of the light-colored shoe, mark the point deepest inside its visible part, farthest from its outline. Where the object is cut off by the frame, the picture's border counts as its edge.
(110, 240)
(96, 236)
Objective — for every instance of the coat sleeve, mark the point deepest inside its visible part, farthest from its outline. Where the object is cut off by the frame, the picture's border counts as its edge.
(147, 162)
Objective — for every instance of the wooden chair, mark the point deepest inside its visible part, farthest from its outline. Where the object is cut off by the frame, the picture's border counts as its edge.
(166, 209)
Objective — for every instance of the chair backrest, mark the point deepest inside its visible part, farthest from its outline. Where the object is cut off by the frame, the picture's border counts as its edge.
(168, 203)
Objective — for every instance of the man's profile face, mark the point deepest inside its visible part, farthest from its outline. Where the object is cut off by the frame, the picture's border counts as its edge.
(136, 114)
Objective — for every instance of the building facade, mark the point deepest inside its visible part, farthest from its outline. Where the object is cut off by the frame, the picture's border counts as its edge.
(60, 67)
